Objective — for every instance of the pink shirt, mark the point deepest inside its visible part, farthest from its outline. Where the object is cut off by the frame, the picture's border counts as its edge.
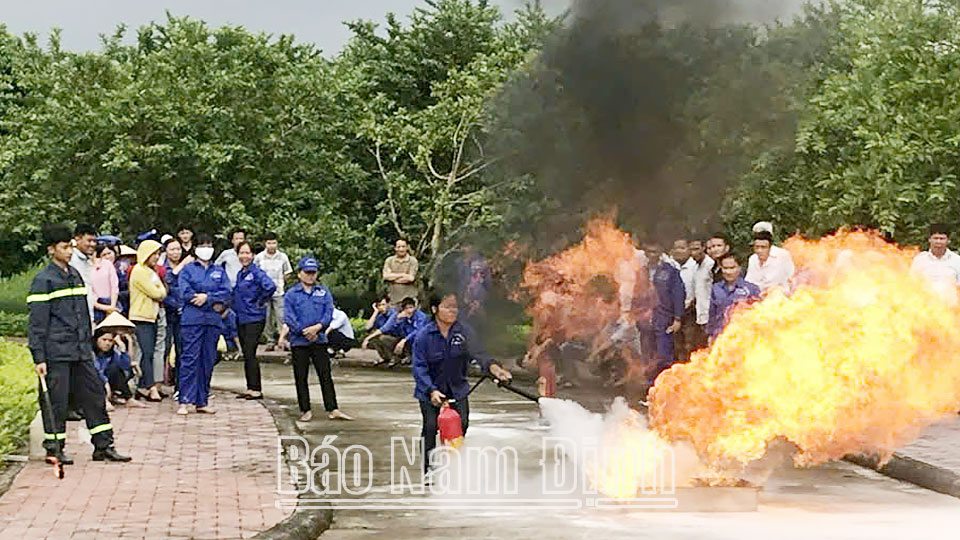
(104, 281)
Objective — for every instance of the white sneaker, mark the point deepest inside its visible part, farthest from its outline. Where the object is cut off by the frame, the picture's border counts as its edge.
(183, 410)
(306, 417)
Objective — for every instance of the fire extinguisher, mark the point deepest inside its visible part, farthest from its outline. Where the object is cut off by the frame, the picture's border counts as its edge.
(451, 430)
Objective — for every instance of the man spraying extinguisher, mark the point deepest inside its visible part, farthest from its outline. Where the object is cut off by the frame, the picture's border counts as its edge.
(441, 354)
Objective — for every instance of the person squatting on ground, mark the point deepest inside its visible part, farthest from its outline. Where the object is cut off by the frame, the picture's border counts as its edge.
(251, 295)
(380, 314)
(146, 292)
(307, 312)
(392, 341)
(230, 335)
(206, 290)
(442, 351)
(60, 341)
(340, 336)
(114, 368)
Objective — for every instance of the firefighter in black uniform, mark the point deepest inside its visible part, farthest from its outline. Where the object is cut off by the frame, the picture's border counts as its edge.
(62, 348)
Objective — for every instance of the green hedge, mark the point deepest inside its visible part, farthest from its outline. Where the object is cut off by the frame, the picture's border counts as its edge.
(13, 290)
(13, 324)
(18, 398)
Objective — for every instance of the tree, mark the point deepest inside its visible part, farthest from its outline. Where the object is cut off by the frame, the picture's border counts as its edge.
(423, 95)
(877, 137)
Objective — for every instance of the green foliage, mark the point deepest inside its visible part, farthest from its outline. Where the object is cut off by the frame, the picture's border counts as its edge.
(14, 289)
(13, 324)
(220, 127)
(18, 401)
(876, 142)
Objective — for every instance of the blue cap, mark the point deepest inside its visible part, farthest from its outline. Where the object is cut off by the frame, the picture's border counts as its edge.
(308, 264)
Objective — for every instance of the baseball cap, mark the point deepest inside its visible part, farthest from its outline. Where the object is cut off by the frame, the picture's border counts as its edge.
(308, 264)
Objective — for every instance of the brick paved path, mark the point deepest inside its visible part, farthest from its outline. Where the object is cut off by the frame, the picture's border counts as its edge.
(197, 476)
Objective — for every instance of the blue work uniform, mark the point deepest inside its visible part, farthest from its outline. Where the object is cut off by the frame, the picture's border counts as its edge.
(253, 290)
(228, 328)
(407, 327)
(441, 363)
(722, 299)
(670, 303)
(200, 329)
(302, 309)
(382, 319)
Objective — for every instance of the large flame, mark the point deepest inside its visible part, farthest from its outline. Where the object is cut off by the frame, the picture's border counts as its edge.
(857, 360)
(576, 295)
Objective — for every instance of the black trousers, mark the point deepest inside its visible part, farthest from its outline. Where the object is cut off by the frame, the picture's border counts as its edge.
(80, 377)
(430, 412)
(249, 334)
(119, 381)
(337, 341)
(317, 355)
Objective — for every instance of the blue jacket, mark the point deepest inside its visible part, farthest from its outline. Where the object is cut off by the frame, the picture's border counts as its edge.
(441, 363)
(723, 299)
(382, 319)
(407, 327)
(228, 325)
(174, 299)
(104, 360)
(670, 294)
(253, 289)
(302, 309)
(212, 280)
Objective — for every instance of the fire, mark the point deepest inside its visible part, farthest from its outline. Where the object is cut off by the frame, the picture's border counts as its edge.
(857, 360)
(576, 295)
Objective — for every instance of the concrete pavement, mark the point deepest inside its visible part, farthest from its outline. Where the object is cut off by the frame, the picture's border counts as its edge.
(839, 500)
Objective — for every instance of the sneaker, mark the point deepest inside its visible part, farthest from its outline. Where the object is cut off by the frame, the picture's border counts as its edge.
(183, 410)
(206, 410)
(306, 417)
(336, 414)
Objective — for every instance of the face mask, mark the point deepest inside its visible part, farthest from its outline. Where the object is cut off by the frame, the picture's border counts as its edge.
(204, 253)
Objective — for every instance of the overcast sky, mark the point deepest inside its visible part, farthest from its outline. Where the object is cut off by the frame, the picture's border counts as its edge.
(317, 21)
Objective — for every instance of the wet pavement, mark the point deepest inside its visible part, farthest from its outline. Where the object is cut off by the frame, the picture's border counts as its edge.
(838, 500)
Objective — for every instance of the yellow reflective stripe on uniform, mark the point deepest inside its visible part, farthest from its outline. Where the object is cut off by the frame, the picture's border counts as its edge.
(102, 427)
(75, 291)
(54, 436)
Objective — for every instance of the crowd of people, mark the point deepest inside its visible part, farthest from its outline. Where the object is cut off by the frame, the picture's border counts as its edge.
(117, 325)
(697, 284)
(114, 325)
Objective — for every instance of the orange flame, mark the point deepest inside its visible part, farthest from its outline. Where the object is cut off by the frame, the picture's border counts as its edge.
(858, 360)
(577, 294)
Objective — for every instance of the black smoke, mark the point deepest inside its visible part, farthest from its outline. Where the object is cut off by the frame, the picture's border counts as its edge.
(643, 106)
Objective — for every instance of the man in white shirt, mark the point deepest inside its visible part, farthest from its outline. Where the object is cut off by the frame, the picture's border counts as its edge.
(340, 337)
(228, 257)
(938, 265)
(275, 264)
(769, 266)
(702, 285)
(85, 245)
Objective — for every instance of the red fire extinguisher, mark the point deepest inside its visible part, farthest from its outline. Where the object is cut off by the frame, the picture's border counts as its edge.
(448, 422)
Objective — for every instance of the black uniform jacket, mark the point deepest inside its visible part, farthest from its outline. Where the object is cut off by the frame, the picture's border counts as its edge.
(60, 327)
